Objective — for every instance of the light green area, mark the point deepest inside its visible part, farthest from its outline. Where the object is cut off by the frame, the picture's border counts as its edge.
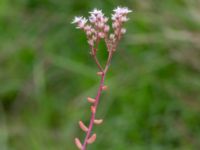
(46, 73)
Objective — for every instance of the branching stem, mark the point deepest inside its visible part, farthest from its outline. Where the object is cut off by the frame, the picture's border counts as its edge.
(104, 71)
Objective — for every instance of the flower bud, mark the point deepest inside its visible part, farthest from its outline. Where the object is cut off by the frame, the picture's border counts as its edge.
(91, 42)
(101, 35)
(115, 25)
(106, 28)
(100, 25)
(94, 38)
(88, 33)
(123, 31)
(105, 19)
(112, 36)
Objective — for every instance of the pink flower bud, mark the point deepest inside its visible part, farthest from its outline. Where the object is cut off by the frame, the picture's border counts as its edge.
(99, 16)
(87, 27)
(100, 25)
(91, 42)
(89, 33)
(92, 30)
(101, 35)
(106, 28)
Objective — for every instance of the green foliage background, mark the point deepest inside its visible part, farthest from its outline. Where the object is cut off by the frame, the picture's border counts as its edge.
(46, 73)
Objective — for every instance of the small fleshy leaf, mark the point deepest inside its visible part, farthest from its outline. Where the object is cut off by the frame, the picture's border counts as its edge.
(98, 121)
(83, 126)
(91, 100)
(78, 143)
(99, 73)
(92, 139)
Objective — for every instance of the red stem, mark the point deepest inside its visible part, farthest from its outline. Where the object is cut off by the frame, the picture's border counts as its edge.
(93, 114)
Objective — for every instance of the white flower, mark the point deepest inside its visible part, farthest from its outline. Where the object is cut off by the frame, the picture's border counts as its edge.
(112, 36)
(92, 18)
(96, 12)
(122, 10)
(77, 19)
(82, 23)
(123, 31)
(115, 16)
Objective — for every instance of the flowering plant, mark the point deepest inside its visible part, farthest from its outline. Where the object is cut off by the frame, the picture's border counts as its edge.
(97, 29)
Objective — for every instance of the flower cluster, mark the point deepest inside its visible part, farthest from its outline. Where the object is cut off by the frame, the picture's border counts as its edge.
(97, 28)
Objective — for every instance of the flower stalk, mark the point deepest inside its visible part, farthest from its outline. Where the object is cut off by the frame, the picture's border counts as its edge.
(97, 29)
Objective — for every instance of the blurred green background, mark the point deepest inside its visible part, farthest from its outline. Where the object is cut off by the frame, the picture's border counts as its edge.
(46, 73)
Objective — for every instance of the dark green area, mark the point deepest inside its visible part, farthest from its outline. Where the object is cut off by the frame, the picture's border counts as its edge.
(46, 73)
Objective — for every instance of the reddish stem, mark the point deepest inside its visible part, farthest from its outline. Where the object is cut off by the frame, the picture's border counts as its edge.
(93, 113)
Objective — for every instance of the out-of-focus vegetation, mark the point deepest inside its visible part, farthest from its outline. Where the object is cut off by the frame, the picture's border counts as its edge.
(46, 72)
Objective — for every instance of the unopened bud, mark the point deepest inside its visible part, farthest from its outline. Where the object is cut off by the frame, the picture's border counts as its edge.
(101, 35)
(123, 30)
(105, 19)
(112, 36)
(100, 25)
(107, 28)
(115, 25)
(94, 38)
(91, 42)
(88, 32)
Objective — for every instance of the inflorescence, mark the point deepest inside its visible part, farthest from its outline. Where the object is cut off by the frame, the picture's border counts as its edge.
(96, 28)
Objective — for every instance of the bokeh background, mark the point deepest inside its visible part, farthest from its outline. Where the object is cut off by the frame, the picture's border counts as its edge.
(46, 73)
